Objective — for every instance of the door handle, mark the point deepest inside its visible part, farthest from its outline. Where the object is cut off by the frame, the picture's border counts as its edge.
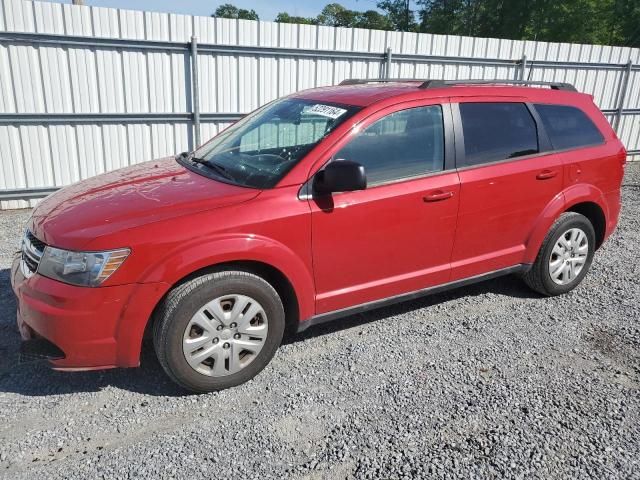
(437, 196)
(546, 174)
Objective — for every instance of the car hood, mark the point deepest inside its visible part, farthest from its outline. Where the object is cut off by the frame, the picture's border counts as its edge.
(126, 198)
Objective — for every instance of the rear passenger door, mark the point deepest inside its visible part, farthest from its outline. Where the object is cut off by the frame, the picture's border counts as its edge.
(506, 181)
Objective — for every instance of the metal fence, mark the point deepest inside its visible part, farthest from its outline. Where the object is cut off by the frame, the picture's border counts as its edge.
(84, 90)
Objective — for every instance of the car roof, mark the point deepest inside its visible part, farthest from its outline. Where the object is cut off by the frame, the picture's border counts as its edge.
(360, 95)
(365, 94)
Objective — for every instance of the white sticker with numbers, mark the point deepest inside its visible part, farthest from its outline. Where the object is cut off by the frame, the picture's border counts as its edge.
(325, 110)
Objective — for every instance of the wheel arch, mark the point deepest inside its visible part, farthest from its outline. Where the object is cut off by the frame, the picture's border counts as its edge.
(585, 199)
(276, 278)
(595, 215)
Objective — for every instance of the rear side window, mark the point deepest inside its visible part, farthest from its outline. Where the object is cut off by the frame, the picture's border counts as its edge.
(403, 144)
(497, 131)
(568, 127)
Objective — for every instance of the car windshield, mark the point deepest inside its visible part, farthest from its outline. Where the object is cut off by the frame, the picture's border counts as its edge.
(261, 148)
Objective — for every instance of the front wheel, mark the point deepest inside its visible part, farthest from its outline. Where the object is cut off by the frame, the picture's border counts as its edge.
(565, 256)
(218, 330)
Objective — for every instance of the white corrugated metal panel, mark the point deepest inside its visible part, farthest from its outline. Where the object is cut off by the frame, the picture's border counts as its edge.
(105, 22)
(49, 18)
(65, 161)
(109, 65)
(132, 24)
(77, 20)
(90, 150)
(180, 27)
(13, 172)
(55, 68)
(633, 94)
(136, 82)
(18, 16)
(629, 131)
(27, 78)
(114, 80)
(7, 98)
(36, 153)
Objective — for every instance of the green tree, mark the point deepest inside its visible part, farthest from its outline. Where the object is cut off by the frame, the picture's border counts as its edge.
(626, 31)
(584, 21)
(228, 10)
(372, 20)
(335, 15)
(284, 17)
(613, 22)
(399, 15)
(441, 16)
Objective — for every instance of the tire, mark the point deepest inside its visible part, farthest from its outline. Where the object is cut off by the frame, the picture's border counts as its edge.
(236, 356)
(549, 261)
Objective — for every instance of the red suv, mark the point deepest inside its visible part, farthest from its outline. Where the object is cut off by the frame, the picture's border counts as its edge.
(318, 205)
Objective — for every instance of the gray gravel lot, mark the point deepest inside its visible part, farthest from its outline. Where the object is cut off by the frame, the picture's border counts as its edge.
(486, 381)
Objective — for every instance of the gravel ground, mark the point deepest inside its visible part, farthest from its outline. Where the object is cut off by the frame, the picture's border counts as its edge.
(485, 381)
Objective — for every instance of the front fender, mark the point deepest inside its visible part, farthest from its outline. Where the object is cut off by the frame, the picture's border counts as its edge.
(177, 263)
(197, 254)
(562, 202)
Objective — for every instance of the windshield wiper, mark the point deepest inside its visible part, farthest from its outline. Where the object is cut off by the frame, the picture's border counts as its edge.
(219, 169)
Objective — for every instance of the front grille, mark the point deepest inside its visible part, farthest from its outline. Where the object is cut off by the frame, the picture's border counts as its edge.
(32, 250)
(35, 242)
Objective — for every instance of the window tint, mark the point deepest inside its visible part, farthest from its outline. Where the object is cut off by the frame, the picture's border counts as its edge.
(402, 144)
(497, 131)
(568, 127)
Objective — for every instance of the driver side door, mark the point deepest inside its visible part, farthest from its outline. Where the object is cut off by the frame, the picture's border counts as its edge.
(396, 236)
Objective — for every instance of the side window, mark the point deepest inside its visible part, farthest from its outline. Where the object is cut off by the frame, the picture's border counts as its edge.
(497, 131)
(403, 144)
(568, 127)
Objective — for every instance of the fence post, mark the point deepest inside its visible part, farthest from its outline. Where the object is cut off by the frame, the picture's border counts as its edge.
(622, 95)
(387, 70)
(523, 67)
(194, 88)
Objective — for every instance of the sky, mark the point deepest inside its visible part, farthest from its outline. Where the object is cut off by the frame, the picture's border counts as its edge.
(266, 9)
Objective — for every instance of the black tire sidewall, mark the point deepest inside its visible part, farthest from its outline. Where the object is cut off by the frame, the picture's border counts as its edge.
(178, 318)
(575, 221)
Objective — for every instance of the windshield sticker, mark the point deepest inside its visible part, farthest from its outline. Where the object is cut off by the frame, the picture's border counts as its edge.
(325, 110)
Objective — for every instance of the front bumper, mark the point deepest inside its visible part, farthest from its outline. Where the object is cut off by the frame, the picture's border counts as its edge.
(93, 327)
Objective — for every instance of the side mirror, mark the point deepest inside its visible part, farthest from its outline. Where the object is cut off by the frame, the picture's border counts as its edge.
(340, 176)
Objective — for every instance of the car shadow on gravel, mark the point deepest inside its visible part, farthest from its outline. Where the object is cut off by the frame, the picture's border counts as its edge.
(36, 379)
(510, 286)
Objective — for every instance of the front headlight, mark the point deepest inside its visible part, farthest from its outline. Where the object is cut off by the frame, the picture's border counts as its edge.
(86, 269)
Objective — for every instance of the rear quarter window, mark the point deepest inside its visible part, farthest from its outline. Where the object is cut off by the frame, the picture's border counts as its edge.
(568, 127)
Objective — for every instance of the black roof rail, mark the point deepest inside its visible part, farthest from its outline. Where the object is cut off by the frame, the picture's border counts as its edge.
(424, 83)
(448, 83)
(362, 81)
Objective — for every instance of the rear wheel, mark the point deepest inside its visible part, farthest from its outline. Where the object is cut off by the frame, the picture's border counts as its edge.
(565, 256)
(218, 330)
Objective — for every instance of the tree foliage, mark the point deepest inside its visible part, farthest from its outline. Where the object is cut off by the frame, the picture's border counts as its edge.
(400, 15)
(284, 17)
(612, 22)
(228, 10)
